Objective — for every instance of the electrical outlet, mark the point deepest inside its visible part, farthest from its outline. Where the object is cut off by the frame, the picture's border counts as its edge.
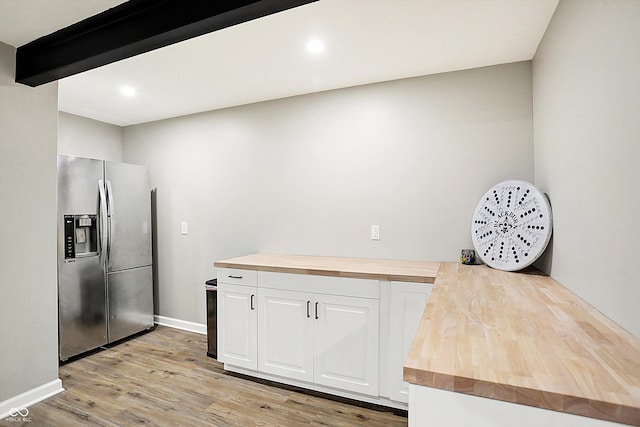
(184, 227)
(375, 232)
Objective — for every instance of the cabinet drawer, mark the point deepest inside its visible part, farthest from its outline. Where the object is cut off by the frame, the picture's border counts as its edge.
(329, 285)
(236, 276)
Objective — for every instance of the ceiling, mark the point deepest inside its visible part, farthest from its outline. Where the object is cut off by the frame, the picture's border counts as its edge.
(22, 21)
(365, 41)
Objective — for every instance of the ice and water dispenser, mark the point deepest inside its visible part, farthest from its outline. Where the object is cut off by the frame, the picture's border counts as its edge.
(80, 236)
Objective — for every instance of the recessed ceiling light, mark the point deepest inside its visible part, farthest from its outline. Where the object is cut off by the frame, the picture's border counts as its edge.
(127, 91)
(315, 46)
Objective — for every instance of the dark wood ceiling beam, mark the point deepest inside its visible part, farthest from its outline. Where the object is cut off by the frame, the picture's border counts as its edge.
(132, 28)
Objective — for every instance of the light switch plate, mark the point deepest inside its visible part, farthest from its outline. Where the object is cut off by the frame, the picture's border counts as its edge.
(184, 227)
(375, 232)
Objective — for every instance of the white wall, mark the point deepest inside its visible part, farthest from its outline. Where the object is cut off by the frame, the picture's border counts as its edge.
(28, 286)
(82, 137)
(586, 85)
(311, 174)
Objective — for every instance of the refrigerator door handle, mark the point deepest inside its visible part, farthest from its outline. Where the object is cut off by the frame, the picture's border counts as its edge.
(111, 222)
(103, 221)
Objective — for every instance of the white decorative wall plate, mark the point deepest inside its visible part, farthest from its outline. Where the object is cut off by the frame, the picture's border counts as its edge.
(511, 225)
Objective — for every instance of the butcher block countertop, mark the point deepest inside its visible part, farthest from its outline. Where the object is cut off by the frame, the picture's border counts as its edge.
(517, 337)
(361, 268)
(524, 338)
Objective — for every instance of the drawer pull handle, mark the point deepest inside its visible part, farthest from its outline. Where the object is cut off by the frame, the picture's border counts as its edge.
(235, 277)
(253, 307)
(317, 311)
(308, 306)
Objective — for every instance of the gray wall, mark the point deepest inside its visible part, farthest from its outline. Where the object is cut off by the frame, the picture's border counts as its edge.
(28, 290)
(82, 137)
(311, 174)
(586, 85)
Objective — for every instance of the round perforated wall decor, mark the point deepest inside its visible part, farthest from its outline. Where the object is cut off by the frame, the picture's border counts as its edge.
(511, 225)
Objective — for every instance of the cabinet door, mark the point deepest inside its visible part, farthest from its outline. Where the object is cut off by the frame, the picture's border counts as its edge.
(285, 333)
(237, 325)
(346, 343)
(408, 301)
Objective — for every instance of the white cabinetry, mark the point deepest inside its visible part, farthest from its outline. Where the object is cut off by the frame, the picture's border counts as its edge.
(346, 343)
(407, 303)
(285, 334)
(321, 332)
(330, 340)
(437, 407)
(237, 324)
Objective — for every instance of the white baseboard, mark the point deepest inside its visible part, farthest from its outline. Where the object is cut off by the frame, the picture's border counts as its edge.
(29, 398)
(198, 328)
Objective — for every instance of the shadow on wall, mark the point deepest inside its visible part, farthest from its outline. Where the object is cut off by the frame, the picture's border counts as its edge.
(545, 262)
(154, 249)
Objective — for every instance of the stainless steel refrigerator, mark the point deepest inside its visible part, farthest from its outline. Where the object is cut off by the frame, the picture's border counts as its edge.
(105, 279)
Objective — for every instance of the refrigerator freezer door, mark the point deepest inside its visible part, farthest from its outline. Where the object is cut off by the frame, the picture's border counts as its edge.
(130, 294)
(78, 185)
(129, 197)
(82, 306)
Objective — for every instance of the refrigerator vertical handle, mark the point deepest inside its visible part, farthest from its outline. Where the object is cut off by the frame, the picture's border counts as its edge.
(103, 221)
(111, 215)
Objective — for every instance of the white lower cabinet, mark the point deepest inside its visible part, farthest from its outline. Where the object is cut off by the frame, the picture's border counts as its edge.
(325, 339)
(237, 325)
(346, 343)
(407, 303)
(326, 332)
(285, 334)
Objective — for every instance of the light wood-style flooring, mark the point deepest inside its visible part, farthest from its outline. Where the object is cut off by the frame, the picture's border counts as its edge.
(164, 378)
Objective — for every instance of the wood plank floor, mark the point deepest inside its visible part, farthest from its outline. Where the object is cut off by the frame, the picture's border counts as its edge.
(164, 378)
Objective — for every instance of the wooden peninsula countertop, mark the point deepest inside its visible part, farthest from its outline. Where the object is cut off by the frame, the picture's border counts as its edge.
(517, 337)
(524, 338)
(361, 268)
